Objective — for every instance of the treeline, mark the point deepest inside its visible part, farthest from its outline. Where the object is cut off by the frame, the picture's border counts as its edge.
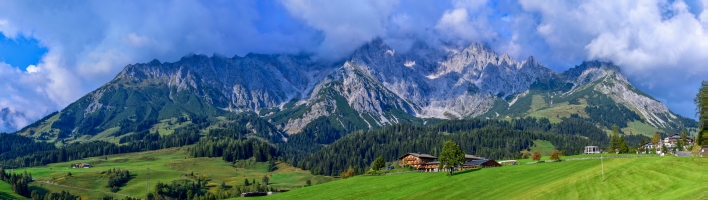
(117, 178)
(248, 123)
(20, 185)
(495, 139)
(608, 113)
(232, 150)
(183, 189)
(13, 146)
(188, 189)
(20, 182)
(36, 157)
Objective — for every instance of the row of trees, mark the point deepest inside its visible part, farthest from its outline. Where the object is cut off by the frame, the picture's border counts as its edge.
(232, 150)
(117, 178)
(617, 142)
(489, 138)
(45, 155)
(19, 182)
(20, 185)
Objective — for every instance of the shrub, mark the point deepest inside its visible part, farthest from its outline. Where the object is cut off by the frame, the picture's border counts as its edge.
(536, 156)
(555, 156)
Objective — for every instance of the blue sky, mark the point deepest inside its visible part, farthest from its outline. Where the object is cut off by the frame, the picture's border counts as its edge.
(52, 53)
(21, 51)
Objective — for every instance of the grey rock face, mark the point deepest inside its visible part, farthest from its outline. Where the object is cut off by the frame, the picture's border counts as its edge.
(424, 82)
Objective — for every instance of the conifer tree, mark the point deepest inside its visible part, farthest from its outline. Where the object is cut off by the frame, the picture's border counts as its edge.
(615, 139)
(623, 148)
(378, 163)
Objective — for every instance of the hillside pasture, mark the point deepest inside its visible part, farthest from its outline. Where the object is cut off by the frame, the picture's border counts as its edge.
(165, 166)
(542, 146)
(7, 193)
(625, 178)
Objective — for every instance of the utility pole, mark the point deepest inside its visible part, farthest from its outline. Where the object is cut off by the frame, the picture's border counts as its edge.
(603, 167)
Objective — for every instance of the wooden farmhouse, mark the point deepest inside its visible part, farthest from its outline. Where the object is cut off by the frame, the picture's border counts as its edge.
(419, 161)
(81, 165)
(427, 163)
(485, 163)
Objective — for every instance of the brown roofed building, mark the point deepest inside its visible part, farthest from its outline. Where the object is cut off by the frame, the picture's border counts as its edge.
(469, 157)
(473, 164)
(419, 161)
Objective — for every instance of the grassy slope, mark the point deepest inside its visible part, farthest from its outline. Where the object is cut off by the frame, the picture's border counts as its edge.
(626, 178)
(637, 127)
(542, 146)
(165, 166)
(7, 193)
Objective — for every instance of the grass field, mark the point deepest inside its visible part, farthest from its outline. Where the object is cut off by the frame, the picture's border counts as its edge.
(7, 193)
(625, 178)
(165, 166)
(637, 127)
(542, 146)
(560, 110)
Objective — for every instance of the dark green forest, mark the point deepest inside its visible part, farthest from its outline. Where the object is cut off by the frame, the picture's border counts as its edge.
(495, 139)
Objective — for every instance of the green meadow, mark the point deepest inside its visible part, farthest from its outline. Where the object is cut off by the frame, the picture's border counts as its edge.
(165, 166)
(7, 193)
(649, 177)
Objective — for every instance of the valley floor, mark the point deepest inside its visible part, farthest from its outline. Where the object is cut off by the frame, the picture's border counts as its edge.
(165, 166)
(625, 178)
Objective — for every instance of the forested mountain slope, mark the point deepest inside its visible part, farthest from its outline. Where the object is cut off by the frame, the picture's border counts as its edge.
(375, 87)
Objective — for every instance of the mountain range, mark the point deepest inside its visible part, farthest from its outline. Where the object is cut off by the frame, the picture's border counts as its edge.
(374, 87)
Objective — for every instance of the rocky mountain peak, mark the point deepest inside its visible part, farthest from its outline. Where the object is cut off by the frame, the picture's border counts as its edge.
(376, 85)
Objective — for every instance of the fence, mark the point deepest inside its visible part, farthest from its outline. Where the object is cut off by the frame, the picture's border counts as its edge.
(603, 157)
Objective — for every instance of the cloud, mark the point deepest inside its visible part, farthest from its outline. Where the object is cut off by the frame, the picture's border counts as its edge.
(467, 21)
(659, 44)
(22, 97)
(345, 24)
(88, 43)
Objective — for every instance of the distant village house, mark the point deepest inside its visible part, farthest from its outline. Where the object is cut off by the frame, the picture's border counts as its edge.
(591, 150)
(81, 165)
(668, 142)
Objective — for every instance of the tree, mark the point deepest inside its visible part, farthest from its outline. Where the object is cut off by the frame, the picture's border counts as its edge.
(223, 185)
(451, 156)
(265, 179)
(308, 182)
(656, 138)
(664, 150)
(378, 163)
(349, 173)
(3, 175)
(525, 153)
(615, 139)
(536, 156)
(246, 183)
(36, 196)
(623, 148)
(556, 155)
(701, 102)
(684, 139)
(272, 166)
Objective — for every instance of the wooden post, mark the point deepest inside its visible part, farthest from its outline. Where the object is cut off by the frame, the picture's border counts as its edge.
(603, 168)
